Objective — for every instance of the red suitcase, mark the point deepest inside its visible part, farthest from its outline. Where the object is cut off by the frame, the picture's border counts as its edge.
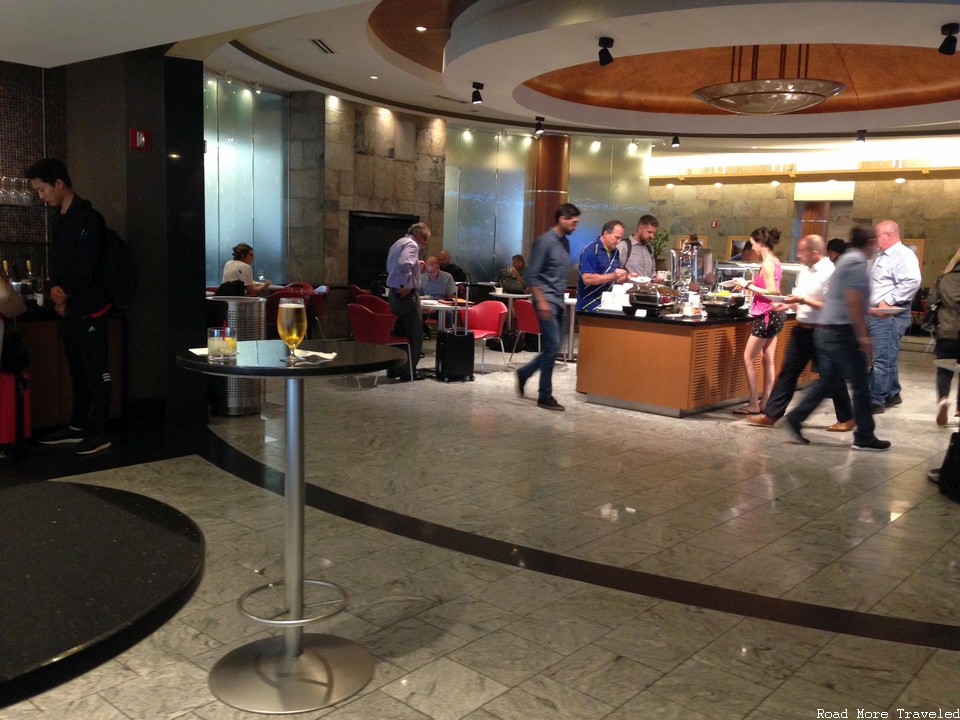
(15, 421)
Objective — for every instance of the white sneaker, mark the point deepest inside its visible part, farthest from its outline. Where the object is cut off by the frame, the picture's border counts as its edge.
(943, 407)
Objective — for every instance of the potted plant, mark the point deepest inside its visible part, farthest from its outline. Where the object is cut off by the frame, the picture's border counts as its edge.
(659, 241)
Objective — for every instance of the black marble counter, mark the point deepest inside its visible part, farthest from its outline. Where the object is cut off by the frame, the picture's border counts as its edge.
(695, 322)
(87, 572)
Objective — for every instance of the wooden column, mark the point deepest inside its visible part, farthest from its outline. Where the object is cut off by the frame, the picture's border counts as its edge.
(550, 168)
(815, 219)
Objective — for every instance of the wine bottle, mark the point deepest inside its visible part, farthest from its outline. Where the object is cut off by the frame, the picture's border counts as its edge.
(39, 288)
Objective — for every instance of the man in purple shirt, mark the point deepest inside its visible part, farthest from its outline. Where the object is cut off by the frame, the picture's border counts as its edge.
(403, 280)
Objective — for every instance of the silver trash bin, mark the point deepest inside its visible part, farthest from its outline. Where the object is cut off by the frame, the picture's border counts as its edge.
(248, 318)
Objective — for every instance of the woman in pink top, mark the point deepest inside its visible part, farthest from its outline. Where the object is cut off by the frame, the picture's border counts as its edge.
(767, 322)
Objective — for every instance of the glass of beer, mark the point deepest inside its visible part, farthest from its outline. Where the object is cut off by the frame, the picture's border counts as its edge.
(292, 324)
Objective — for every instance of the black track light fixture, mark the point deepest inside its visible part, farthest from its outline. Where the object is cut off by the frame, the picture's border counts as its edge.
(949, 44)
(861, 136)
(538, 128)
(675, 142)
(477, 98)
(605, 57)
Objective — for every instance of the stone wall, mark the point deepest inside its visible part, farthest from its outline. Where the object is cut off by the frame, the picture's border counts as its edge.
(378, 160)
(925, 209)
(307, 254)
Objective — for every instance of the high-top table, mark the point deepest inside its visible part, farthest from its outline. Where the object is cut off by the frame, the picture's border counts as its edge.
(296, 672)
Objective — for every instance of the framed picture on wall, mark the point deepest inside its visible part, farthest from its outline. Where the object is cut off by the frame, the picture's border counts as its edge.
(916, 245)
(735, 244)
(681, 239)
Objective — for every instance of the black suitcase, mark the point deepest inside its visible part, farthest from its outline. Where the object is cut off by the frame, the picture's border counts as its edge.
(454, 355)
(455, 351)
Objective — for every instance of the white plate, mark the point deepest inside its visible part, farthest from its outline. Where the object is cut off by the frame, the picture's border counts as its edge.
(775, 298)
(889, 310)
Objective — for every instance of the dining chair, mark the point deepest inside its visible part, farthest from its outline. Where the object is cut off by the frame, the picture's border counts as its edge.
(371, 301)
(528, 323)
(376, 328)
(318, 303)
(273, 307)
(302, 285)
(356, 291)
(486, 320)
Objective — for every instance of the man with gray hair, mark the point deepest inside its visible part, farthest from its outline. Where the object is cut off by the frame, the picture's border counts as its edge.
(403, 280)
(806, 299)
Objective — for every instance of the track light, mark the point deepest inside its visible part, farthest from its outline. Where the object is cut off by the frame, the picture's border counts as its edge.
(228, 77)
(675, 142)
(538, 128)
(257, 88)
(949, 44)
(861, 136)
(477, 98)
(632, 147)
(606, 58)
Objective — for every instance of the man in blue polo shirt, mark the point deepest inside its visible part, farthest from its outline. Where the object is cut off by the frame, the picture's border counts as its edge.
(600, 267)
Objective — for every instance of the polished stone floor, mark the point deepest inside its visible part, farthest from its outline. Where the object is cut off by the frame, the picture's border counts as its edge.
(819, 556)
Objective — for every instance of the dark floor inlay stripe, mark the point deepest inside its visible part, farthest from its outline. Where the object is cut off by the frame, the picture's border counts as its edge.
(791, 612)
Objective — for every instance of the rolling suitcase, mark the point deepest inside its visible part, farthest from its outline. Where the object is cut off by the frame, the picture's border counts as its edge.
(455, 351)
(15, 420)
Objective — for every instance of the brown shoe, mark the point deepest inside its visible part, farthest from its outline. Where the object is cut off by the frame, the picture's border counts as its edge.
(842, 426)
(761, 420)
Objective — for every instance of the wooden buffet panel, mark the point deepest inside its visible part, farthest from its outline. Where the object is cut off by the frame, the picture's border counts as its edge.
(667, 367)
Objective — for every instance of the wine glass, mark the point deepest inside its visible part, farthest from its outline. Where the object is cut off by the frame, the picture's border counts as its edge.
(292, 325)
(260, 276)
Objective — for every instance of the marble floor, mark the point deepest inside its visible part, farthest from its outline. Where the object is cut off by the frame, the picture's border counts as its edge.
(651, 567)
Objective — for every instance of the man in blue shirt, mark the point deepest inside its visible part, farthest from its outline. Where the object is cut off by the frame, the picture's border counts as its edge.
(403, 279)
(894, 280)
(843, 343)
(548, 272)
(600, 267)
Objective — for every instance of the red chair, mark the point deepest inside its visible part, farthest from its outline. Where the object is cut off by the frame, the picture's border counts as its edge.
(486, 320)
(372, 302)
(356, 291)
(376, 328)
(528, 323)
(303, 286)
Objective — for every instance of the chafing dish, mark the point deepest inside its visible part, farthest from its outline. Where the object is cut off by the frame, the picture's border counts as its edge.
(652, 298)
(731, 305)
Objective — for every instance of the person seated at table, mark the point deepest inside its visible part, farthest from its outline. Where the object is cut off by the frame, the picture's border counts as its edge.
(746, 254)
(240, 269)
(600, 267)
(435, 284)
(517, 268)
(458, 273)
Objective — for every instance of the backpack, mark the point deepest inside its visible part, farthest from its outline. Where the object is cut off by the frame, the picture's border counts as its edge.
(119, 270)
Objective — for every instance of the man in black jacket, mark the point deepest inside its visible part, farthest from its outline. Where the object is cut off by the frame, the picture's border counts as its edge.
(76, 289)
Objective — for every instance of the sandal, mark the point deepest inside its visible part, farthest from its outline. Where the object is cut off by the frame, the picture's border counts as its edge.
(746, 411)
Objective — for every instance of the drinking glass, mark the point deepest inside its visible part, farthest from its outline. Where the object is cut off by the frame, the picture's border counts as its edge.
(26, 192)
(221, 345)
(260, 275)
(292, 325)
(6, 191)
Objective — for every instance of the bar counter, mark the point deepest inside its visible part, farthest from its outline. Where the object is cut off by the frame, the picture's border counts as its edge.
(665, 366)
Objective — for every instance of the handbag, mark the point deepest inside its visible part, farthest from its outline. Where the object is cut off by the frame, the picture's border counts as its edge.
(510, 284)
(11, 304)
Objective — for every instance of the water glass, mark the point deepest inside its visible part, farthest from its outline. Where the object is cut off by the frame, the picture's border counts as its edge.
(221, 345)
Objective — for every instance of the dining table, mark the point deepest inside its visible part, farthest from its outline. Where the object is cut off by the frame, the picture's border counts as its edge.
(294, 672)
(510, 297)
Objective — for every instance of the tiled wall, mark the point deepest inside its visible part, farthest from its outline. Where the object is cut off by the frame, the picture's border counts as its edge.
(32, 125)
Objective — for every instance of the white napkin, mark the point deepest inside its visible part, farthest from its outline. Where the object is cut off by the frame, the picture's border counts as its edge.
(199, 351)
(313, 355)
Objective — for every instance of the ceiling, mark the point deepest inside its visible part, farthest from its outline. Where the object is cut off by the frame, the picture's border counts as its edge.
(539, 57)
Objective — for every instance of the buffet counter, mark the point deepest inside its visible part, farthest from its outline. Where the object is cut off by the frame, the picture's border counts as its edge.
(666, 366)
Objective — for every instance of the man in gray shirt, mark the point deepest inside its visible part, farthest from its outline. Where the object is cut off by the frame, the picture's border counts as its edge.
(843, 343)
(549, 270)
(636, 252)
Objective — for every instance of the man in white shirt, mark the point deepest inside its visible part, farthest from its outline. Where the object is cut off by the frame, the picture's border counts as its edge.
(806, 299)
(636, 252)
(894, 280)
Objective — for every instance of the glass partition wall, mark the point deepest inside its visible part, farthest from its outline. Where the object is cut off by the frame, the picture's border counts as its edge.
(245, 177)
(489, 194)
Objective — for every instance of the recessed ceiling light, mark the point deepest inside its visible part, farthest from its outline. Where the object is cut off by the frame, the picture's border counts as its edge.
(775, 183)
(718, 184)
(900, 180)
(374, 77)
(669, 186)
(421, 28)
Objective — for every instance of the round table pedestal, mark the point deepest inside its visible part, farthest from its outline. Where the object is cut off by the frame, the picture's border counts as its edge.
(260, 678)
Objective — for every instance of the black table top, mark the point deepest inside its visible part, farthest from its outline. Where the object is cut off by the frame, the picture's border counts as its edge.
(620, 315)
(266, 358)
